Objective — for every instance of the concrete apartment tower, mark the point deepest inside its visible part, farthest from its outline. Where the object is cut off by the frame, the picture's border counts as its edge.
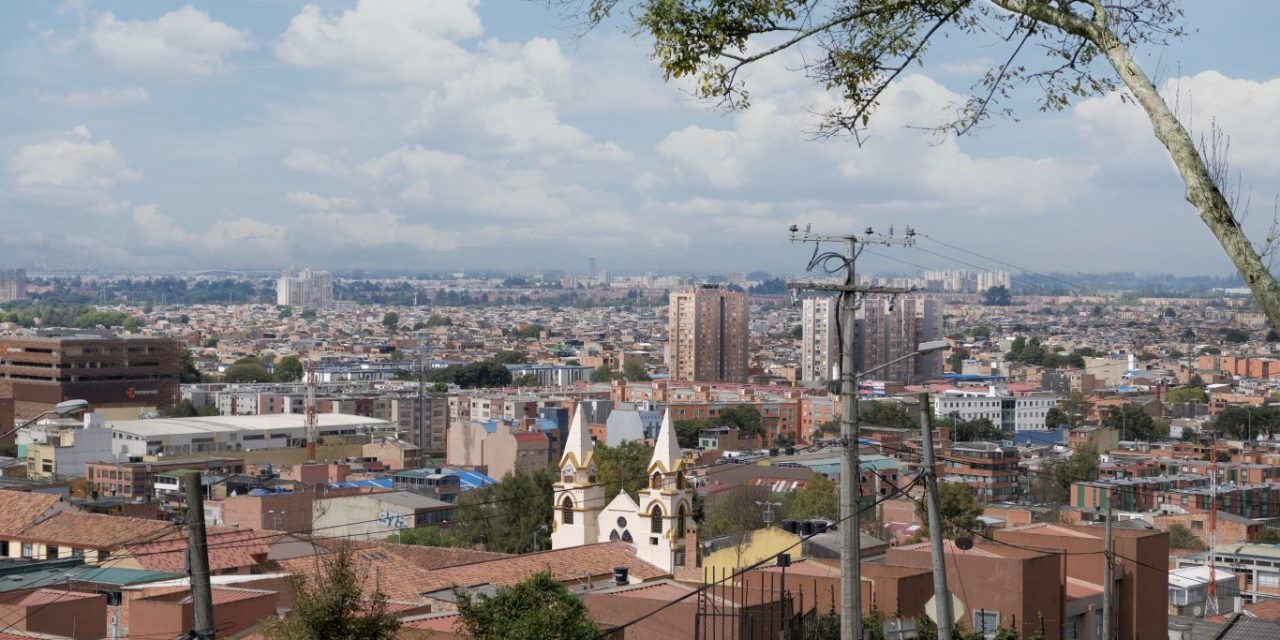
(306, 289)
(707, 332)
(578, 497)
(666, 504)
(889, 329)
(819, 349)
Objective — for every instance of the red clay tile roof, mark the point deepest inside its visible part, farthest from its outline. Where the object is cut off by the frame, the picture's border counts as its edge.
(221, 595)
(425, 557)
(19, 509)
(95, 531)
(573, 563)
(40, 597)
(227, 550)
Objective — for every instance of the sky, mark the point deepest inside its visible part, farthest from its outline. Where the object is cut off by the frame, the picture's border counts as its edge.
(450, 134)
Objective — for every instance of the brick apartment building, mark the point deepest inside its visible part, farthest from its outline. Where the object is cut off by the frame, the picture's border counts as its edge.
(136, 480)
(42, 368)
(990, 469)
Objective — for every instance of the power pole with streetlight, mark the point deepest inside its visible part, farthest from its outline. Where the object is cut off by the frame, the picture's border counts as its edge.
(850, 521)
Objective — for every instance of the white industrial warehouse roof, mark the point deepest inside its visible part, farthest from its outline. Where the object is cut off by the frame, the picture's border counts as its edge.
(325, 422)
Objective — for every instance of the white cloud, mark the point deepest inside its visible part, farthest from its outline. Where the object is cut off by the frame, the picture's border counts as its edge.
(1244, 110)
(160, 230)
(415, 170)
(384, 40)
(71, 169)
(101, 99)
(376, 229)
(711, 155)
(182, 42)
(314, 162)
(245, 235)
(308, 200)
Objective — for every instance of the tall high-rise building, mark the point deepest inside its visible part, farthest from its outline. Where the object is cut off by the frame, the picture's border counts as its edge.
(306, 289)
(819, 346)
(707, 332)
(889, 329)
(13, 285)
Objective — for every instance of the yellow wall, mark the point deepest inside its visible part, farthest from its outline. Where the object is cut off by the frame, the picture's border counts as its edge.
(761, 544)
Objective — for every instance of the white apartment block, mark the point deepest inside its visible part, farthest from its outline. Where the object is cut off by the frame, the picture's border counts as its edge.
(819, 350)
(1011, 413)
(306, 289)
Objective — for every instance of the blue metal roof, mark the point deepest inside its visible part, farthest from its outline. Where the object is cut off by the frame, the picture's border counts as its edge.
(376, 483)
(962, 377)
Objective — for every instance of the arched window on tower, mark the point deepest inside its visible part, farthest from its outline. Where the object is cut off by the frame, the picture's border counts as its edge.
(655, 519)
(567, 475)
(566, 510)
(680, 482)
(681, 514)
(655, 480)
(591, 474)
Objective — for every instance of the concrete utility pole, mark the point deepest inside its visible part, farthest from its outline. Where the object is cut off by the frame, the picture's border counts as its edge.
(198, 555)
(934, 506)
(850, 520)
(1107, 573)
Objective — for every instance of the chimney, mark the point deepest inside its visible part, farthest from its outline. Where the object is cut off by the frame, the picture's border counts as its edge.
(620, 576)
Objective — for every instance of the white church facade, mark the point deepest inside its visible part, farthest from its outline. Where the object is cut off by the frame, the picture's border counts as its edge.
(656, 520)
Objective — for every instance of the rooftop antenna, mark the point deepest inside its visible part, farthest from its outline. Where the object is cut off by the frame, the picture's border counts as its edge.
(311, 410)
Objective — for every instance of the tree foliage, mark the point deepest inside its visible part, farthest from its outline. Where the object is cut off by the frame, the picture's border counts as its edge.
(505, 516)
(536, 609)
(289, 369)
(818, 500)
(333, 606)
(185, 409)
(622, 468)
(959, 510)
(187, 371)
(633, 369)
(743, 417)
(423, 536)
(474, 375)
(1180, 537)
(997, 296)
(246, 372)
(603, 373)
(1135, 424)
(1245, 422)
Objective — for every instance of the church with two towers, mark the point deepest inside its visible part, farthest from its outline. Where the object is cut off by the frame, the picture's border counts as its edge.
(656, 520)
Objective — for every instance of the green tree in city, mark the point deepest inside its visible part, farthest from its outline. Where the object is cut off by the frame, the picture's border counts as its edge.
(390, 320)
(687, 432)
(603, 373)
(308, 314)
(633, 369)
(797, 332)
(1135, 424)
(245, 373)
(187, 372)
(955, 361)
(539, 608)
(526, 380)
(333, 606)
(818, 500)
(289, 369)
(185, 409)
(1054, 417)
(1180, 537)
(622, 468)
(959, 510)
(511, 357)
(1235, 336)
(423, 536)
(997, 296)
(505, 516)
(284, 312)
(982, 332)
(437, 320)
(743, 417)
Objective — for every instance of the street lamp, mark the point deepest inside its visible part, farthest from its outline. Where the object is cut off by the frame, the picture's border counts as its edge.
(64, 408)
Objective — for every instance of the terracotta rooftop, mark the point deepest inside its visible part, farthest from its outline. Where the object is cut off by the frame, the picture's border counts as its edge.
(425, 557)
(40, 597)
(19, 509)
(227, 550)
(95, 531)
(573, 563)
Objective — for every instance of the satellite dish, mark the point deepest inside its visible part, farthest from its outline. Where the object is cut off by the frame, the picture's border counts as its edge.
(1197, 611)
(964, 544)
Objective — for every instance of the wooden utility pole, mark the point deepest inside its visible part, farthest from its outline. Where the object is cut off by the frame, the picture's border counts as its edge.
(850, 520)
(941, 596)
(198, 558)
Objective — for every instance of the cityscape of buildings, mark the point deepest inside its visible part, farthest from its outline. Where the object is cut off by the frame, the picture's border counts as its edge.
(463, 320)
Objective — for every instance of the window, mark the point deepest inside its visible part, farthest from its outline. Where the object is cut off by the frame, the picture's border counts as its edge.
(27, 550)
(655, 519)
(986, 622)
(591, 474)
(680, 516)
(1268, 579)
(655, 481)
(566, 510)
(4, 548)
(50, 552)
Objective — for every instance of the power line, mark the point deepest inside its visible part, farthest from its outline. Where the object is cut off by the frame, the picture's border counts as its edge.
(1001, 262)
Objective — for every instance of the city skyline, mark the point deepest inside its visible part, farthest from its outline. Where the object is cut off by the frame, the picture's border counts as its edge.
(259, 136)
